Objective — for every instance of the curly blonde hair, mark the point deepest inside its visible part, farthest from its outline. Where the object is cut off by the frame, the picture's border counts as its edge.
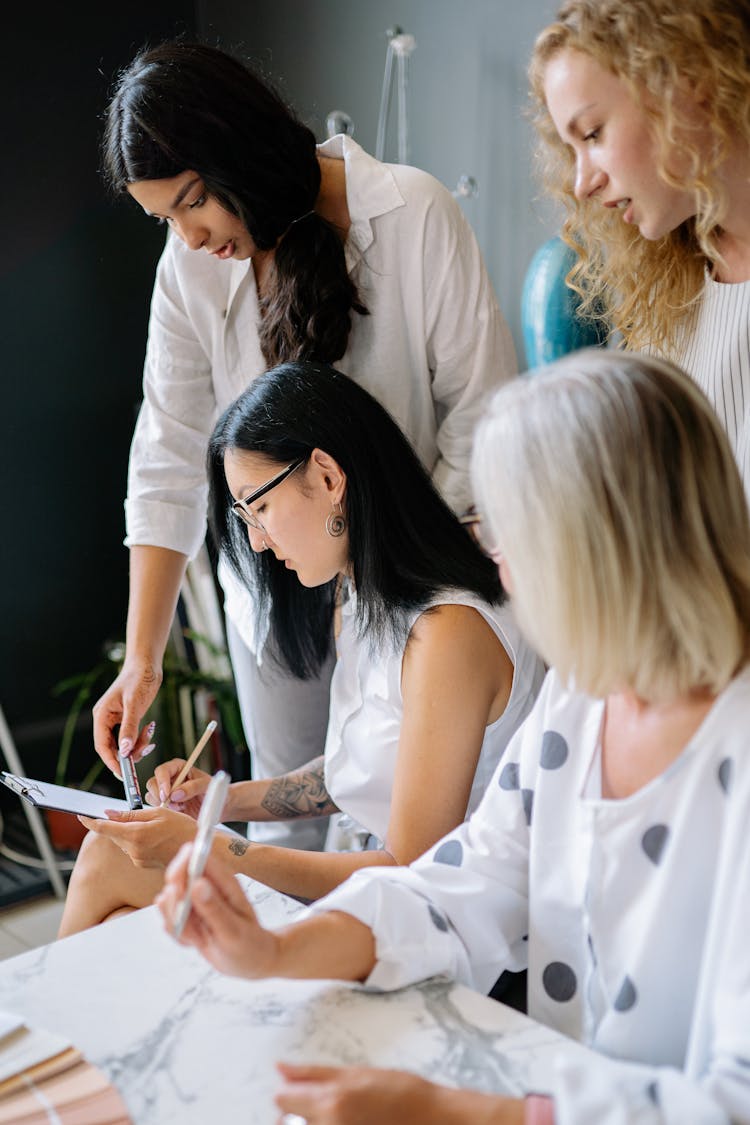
(660, 48)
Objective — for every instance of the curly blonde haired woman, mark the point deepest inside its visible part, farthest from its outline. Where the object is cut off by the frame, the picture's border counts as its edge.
(643, 108)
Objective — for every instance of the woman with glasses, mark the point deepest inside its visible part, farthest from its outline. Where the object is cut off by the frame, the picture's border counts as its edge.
(611, 853)
(277, 249)
(322, 508)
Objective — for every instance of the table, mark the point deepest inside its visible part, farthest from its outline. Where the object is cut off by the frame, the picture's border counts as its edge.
(184, 1044)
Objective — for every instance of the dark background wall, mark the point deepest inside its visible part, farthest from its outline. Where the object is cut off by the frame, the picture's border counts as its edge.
(76, 270)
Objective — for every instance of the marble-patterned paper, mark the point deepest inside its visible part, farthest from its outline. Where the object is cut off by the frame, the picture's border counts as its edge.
(184, 1044)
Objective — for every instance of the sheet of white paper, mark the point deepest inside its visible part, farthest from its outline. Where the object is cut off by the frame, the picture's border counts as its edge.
(48, 796)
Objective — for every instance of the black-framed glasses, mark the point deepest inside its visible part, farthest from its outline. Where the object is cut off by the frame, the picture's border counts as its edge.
(241, 508)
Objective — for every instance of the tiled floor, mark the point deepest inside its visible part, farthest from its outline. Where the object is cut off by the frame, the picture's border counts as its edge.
(29, 925)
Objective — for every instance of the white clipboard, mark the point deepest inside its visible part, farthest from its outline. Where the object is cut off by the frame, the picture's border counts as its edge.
(43, 795)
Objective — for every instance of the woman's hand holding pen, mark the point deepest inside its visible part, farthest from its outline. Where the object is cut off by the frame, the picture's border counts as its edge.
(222, 924)
(150, 837)
(188, 797)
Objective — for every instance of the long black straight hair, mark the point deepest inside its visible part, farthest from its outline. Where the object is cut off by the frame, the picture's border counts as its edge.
(183, 105)
(405, 543)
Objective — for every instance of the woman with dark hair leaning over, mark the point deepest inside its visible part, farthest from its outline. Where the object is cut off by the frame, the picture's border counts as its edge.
(319, 502)
(278, 249)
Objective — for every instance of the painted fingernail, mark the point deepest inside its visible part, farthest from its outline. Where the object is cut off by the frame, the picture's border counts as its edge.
(150, 729)
(178, 796)
(147, 749)
(126, 746)
(162, 794)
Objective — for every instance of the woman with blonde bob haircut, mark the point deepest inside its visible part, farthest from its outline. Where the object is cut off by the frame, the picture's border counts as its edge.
(643, 113)
(643, 585)
(610, 855)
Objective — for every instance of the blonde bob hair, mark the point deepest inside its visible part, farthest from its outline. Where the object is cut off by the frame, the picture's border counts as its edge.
(609, 486)
(673, 55)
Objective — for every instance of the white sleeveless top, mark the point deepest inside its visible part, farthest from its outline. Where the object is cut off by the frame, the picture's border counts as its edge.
(366, 711)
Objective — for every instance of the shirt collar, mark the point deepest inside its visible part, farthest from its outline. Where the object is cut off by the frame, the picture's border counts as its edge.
(371, 190)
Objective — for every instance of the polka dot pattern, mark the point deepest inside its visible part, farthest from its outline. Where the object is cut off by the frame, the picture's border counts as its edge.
(554, 750)
(559, 981)
(438, 919)
(626, 997)
(725, 774)
(510, 776)
(653, 841)
(450, 853)
(527, 796)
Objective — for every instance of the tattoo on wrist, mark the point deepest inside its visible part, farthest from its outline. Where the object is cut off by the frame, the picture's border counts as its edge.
(299, 794)
(238, 847)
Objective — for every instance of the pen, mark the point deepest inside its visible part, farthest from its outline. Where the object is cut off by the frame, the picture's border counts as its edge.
(208, 818)
(130, 781)
(191, 761)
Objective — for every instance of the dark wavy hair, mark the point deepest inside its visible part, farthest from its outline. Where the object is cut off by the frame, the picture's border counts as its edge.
(405, 543)
(184, 105)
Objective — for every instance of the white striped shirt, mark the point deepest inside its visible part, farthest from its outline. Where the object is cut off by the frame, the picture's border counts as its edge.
(716, 352)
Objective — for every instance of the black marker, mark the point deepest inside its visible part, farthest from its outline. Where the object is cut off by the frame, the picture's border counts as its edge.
(130, 781)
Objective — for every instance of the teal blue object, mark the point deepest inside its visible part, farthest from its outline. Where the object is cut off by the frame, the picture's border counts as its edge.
(548, 308)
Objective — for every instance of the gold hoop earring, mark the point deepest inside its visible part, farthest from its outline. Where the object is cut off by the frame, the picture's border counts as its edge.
(335, 523)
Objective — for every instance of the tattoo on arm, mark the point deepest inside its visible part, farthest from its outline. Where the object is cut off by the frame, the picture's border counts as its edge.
(238, 847)
(299, 794)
